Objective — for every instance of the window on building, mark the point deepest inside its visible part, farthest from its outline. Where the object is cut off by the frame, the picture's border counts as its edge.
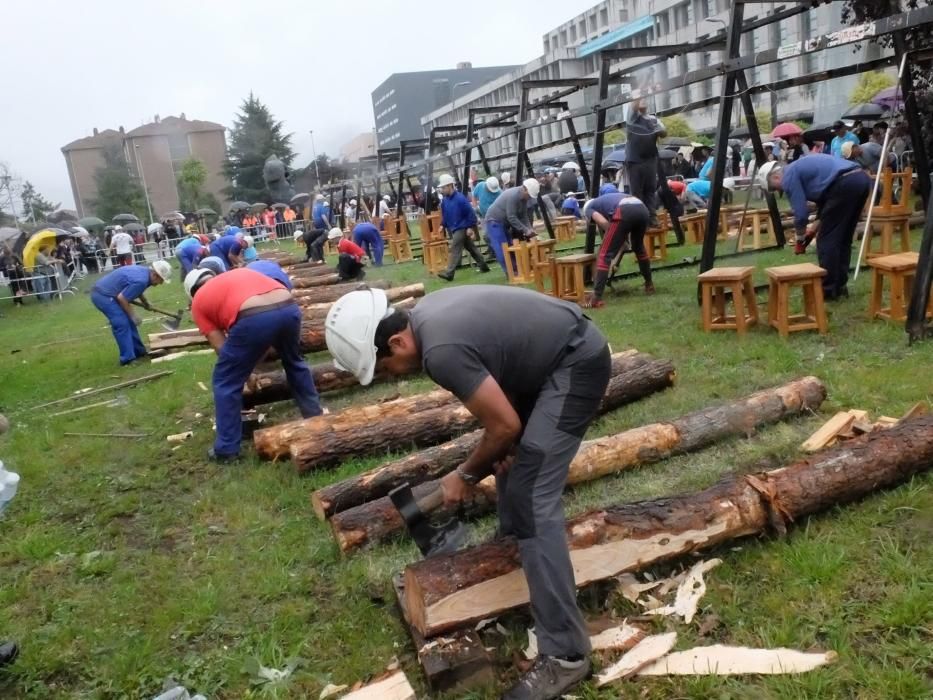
(593, 24)
(547, 44)
(178, 149)
(604, 17)
(712, 8)
(691, 16)
(573, 35)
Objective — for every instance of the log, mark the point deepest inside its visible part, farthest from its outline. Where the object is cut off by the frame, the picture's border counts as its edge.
(314, 450)
(176, 339)
(435, 462)
(319, 281)
(282, 258)
(318, 311)
(317, 295)
(307, 269)
(268, 387)
(312, 329)
(377, 520)
(448, 591)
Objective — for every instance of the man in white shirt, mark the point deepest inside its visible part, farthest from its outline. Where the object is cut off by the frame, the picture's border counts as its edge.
(122, 244)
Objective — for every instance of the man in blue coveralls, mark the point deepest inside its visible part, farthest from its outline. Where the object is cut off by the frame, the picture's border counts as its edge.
(230, 249)
(272, 269)
(839, 189)
(112, 296)
(316, 236)
(367, 237)
(190, 252)
(459, 220)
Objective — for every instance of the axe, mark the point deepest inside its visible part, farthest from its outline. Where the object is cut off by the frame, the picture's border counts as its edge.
(431, 539)
(174, 319)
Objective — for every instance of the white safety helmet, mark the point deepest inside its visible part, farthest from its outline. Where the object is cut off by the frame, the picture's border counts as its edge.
(765, 173)
(318, 197)
(247, 241)
(571, 165)
(350, 331)
(334, 234)
(386, 198)
(506, 177)
(729, 183)
(352, 202)
(492, 184)
(533, 187)
(196, 278)
(163, 270)
(445, 179)
(299, 234)
(588, 209)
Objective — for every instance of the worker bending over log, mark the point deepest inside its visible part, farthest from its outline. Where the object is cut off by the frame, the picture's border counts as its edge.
(349, 256)
(272, 270)
(243, 313)
(112, 296)
(532, 369)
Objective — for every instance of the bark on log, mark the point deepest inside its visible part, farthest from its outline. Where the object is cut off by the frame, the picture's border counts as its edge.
(306, 269)
(315, 312)
(434, 462)
(437, 425)
(318, 281)
(270, 386)
(448, 591)
(318, 295)
(312, 329)
(377, 520)
(282, 258)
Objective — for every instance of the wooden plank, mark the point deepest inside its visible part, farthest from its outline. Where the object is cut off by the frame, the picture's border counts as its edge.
(918, 409)
(644, 653)
(178, 355)
(721, 660)
(839, 423)
(394, 687)
(129, 382)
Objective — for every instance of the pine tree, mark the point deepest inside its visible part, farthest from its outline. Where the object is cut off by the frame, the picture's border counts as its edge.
(35, 207)
(255, 136)
(118, 190)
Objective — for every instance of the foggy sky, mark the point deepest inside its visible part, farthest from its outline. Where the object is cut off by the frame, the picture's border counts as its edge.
(73, 66)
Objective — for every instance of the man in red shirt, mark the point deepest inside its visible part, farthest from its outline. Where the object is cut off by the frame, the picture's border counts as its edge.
(243, 313)
(350, 256)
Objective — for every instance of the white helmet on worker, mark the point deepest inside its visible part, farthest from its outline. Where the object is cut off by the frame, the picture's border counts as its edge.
(350, 331)
(247, 241)
(765, 173)
(445, 179)
(729, 183)
(533, 187)
(506, 178)
(195, 279)
(318, 197)
(588, 209)
(386, 198)
(163, 270)
(492, 184)
(571, 165)
(352, 202)
(334, 234)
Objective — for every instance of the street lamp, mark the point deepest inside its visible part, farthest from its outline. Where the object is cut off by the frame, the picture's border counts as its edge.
(453, 90)
(317, 172)
(139, 167)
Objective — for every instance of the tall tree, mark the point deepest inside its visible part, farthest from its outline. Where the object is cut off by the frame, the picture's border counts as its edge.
(255, 136)
(869, 85)
(677, 125)
(191, 193)
(118, 190)
(35, 206)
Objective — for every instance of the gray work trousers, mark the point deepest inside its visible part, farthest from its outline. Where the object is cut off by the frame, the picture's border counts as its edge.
(458, 241)
(643, 182)
(530, 506)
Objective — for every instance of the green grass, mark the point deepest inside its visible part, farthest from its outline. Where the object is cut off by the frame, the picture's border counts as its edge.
(124, 562)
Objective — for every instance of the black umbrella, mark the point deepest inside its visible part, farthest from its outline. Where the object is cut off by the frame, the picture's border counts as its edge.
(279, 205)
(90, 222)
(300, 197)
(864, 111)
(666, 154)
(206, 211)
(676, 142)
(819, 132)
(125, 219)
(738, 133)
(239, 206)
(258, 205)
(134, 227)
(57, 217)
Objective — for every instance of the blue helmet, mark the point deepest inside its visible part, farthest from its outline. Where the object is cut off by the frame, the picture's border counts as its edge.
(607, 188)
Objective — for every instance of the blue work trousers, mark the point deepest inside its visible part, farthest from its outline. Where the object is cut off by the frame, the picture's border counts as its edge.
(187, 264)
(124, 330)
(246, 343)
(372, 243)
(498, 235)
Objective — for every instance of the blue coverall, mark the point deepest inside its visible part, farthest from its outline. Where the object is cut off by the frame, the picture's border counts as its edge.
(367, 237)
(130, 281)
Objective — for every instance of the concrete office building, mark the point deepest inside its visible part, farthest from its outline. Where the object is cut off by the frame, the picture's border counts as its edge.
(571, 50)
(154, 152)
(403, 98)
(360, 146)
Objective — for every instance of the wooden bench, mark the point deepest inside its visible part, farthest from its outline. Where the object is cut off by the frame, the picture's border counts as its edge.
(782, 280)
(522, 259)
(695, 226)
(900, 270)
(713, 287)
(891, 217)
(570, 276)
(757, 222)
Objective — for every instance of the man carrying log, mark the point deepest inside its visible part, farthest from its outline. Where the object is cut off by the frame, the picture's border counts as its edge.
(243, 313)
(533, 370)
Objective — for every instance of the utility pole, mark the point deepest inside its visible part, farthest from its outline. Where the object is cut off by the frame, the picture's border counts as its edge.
(139, 167)
(317, 173)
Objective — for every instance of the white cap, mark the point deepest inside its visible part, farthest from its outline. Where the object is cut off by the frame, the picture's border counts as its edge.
(248, 241)
(195, 278)
(163, 270)
(765, 173)
(846, 149)
(571, 165)
(350, 331)
(506, 177)
(533, 186)
(446, 179)
(492, 184)
(334, 234)
(588, 209)
(352, 202)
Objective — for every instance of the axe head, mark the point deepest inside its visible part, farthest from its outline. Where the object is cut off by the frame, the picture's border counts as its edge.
(173, 322)
(431, 539)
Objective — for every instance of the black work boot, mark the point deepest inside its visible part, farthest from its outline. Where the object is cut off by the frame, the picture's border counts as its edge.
(549, 678)
(8, 653)
(644, 266)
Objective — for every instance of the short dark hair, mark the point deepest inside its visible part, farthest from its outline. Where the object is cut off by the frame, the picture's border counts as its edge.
(392, 324)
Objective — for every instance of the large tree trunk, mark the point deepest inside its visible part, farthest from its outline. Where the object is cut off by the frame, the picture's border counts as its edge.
(319, 295)
(377, 520)
(440, 424)
(634, 375)
(307, 269)
(282, 258)
(272, 385)
(314, 312)
(312, 326)
(316, 281)
(448, 591)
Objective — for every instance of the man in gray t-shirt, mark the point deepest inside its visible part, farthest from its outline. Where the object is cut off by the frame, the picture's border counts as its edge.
(533, 370)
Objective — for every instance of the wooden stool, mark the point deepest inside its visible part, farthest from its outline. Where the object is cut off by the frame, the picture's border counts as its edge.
(395, 227)
(565, 228)
(546, 273)
(890, 181)
(430, 225)
(541, 251)
(695, 226)
(435, 256)
(661, 235)
(757, 221)
(890, 225)
(713, 285)
(570, 276)
(782, 279)
(518, 263)
(900, 269)
(400, 250)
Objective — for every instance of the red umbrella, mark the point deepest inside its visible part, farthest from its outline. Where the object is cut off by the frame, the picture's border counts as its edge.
(786, 129)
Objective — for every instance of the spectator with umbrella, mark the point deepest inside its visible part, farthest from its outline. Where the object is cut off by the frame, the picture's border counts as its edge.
(793, 134)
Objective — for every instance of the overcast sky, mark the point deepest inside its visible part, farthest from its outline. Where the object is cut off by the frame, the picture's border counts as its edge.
(72, 66)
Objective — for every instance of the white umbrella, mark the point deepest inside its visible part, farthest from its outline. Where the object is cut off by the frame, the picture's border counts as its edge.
(8, 233)
(80, 231)
(154, 228)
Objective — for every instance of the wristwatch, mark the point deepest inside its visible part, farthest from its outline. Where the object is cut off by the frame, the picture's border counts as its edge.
(470, 479)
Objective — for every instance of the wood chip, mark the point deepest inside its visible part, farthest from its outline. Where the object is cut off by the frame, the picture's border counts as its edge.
(178, 355)
(620, 638)
(201, 386)
(720, 660)
(331, 689)
(689, 592)
(642, 654)
(827, 433)
(179, 437)
(631, 588)
(918, 409)
(393, 687)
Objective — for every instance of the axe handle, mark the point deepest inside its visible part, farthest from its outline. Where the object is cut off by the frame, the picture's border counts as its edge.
(432, 501)
(158, 311)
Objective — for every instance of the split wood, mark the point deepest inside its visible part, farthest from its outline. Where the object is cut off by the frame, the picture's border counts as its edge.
(130, 382)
